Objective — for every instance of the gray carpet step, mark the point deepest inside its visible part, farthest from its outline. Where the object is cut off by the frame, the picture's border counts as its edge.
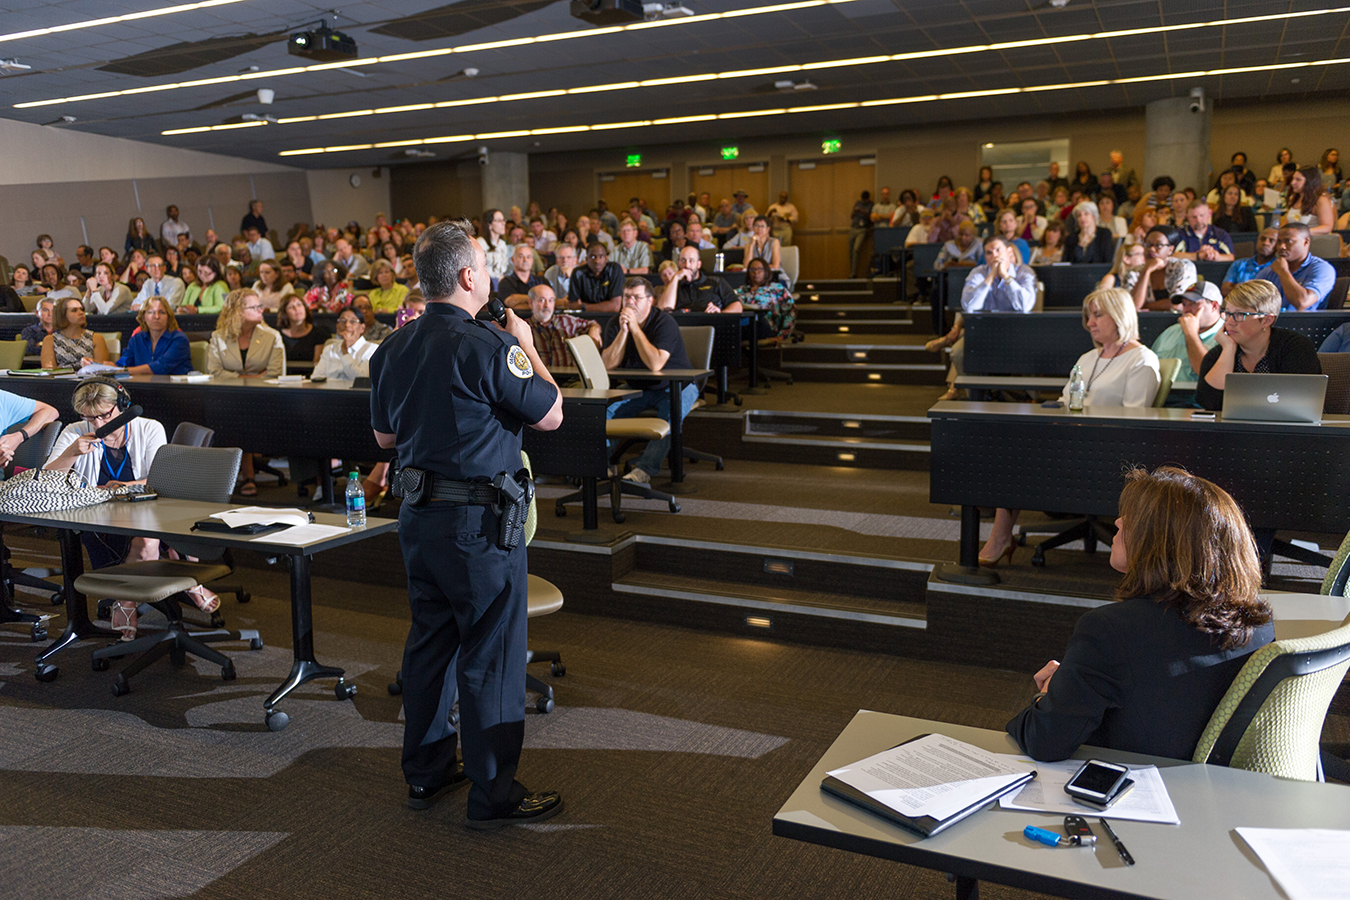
(871, 372)
(846, 312)
(894, 350)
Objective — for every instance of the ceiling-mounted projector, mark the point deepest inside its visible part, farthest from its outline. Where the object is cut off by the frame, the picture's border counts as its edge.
(609, 12)
(323, 44)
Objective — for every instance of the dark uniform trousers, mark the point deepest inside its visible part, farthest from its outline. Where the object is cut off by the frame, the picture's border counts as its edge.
(469, 607)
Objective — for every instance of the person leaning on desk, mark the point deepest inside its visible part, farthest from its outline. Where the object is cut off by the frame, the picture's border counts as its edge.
(1250, 342)
(1145, 673)
(1118, 371)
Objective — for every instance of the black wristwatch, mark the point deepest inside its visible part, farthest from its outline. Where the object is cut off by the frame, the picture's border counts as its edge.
(26, 435)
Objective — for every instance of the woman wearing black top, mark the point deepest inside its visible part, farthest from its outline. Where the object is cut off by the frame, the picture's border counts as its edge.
(1145, 673)
(1085, 180)
(302, 339)
(1249, 342)
(138, 238)
(1092, 243)
(1231, 215)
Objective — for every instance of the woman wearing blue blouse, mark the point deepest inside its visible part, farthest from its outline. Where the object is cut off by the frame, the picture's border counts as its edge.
(158, 347)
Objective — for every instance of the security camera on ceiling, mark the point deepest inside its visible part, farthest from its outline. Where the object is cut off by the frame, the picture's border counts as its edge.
(1197, 99)
(482, 156)
(609, 12)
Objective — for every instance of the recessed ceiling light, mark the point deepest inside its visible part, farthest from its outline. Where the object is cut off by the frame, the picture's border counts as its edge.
(113, 20)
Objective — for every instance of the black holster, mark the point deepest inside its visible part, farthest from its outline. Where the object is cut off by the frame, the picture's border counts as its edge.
(513, 506)
(410, 483)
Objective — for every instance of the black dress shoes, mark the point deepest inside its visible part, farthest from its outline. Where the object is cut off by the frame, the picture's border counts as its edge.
(536, 807)
(423, 797)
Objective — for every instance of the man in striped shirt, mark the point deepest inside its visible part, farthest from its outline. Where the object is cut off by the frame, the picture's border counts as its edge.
(552, 331)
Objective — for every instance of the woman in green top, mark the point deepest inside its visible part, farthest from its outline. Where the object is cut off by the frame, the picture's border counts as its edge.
(208, 294)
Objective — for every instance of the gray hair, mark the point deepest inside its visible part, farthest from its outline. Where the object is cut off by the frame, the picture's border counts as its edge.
(440, 254)
(1090, 208)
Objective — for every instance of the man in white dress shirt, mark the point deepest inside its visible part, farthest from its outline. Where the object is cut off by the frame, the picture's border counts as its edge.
(159, 284)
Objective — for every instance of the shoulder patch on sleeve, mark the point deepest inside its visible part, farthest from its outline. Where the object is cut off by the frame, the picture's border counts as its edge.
(518, 362)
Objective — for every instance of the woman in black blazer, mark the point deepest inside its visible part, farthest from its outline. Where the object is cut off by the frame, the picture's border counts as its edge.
(1145, 673)
(1091, 242)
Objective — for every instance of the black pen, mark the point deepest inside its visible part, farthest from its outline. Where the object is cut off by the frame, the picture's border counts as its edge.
(1120, 848)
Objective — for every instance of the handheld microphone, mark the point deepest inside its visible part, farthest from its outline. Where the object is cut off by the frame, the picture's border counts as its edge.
(108, 428)
(497, 310)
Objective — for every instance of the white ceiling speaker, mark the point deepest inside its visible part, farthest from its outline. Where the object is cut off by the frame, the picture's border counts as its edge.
(266, 96)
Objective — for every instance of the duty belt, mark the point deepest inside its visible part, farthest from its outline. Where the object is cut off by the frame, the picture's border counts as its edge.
(463, 491)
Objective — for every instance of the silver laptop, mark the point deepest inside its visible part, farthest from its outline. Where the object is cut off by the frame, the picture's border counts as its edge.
(1257, 397)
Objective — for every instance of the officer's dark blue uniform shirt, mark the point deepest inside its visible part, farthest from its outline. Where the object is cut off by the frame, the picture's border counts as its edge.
(455, 391)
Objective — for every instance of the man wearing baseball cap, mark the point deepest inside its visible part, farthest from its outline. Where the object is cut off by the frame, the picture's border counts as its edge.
(1196, 330)
(741, 204)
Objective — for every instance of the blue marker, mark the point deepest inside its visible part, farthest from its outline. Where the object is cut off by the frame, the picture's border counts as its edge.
(1040, 835)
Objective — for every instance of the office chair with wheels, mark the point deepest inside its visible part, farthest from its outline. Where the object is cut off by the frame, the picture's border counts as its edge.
(1338, 573)
(188, 473)
(31, 454)
(698, 344)
(1271, 718)
(1091, 529)
(591, 369)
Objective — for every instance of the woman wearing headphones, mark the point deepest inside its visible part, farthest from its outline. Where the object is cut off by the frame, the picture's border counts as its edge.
(123, 457)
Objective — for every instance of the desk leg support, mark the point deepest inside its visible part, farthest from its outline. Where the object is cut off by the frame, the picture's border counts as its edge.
(590, 532)
(966, 888)
(78, 626)
(677, 485)
(754, 387)
(305, 668)
(967, 570)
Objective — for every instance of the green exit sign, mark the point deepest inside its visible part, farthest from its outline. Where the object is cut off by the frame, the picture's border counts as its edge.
(634, 160)
(833, 145)
(731, 152)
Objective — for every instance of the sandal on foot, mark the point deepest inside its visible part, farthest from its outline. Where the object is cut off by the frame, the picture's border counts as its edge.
(124, 619)
(248, 488)
(203, 599)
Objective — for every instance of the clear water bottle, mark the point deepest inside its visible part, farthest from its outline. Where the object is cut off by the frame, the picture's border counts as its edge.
(1077, 390)
(356, 501)
(719, 261)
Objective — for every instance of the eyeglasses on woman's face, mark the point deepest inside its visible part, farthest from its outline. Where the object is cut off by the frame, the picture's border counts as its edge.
(1238, 316)
(97, 418)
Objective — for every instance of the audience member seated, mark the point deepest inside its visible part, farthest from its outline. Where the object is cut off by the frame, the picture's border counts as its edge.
(1276, 178)
(1229, 213)
(551, 330)
(1106, 209)
(676, 240)
(259, 247)
(1092, 243)
(387, 295)
(346, 256)
(1118, 371)
(1145, 673)
(139, 238)
(302, 339)
(772, 297)
(1159, 198)
(597, 286)
(1303, 281)
(906, 213)
(1250, 342)
(254, 217)
(631, 255)
(559, 275)
(234, 278)
(944, 224)
(919, 234)
(84, 261)
(272, 287)
(1246, 269)
(544, 240)
(46, 251)
(160, 283)
(242, 346)
(1195, 332)
(1030, 224)
(347, 356)
(994, 200)
(1199, 239)
(1161, 277)
(330, 292)
(376, 331)
(35, 333)
(207, 295)
(135, 266)
(106, 295)
(1307, 203)
(1051, 250)
(644, 337)
(763, 245)
(1338, 341)
(121, 458)
(1005, 226)
(158, 347)
(514, 287)
(587, 236)
(1131, 255)
(962, 250)
(71, 345)
(692, 290)
(301, 261)
(21, 282)
(414, 305)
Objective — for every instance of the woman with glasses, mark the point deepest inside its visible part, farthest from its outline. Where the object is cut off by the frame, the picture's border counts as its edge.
(243, 347)
(347, 356)
(158, 347)
(1161, 277)
(71, 345)
(1250, 342)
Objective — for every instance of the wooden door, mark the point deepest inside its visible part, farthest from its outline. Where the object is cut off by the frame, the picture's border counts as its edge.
(722, 181)
(824, 197)
(617, 188)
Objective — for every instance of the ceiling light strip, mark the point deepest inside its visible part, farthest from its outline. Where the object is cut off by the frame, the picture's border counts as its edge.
(402, 57)
(893, 101)
(114, 20)
(708, 76)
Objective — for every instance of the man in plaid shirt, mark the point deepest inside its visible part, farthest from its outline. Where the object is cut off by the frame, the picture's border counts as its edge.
(551, 332)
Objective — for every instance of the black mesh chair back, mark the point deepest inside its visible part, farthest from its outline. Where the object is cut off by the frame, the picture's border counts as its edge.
(205, 474)
(33, 453)
(189, 435)
(1336, 366)
(698, 344)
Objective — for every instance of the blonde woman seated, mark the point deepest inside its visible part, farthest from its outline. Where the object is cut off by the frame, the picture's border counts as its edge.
(70, 344)
(1250, 342)
(271, 286)
(243, 347)
(745, 231)
(121, 458)
(347, 356)
(1118, 371)
(1131, 256)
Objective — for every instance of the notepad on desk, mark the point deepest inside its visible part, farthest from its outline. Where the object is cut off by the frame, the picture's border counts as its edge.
(1147, 801)
(193, 377)
(929, 783)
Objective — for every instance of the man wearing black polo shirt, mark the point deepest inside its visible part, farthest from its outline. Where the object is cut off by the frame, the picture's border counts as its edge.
(599, 286)
(514, 287)
(691, 290)
(643, 337)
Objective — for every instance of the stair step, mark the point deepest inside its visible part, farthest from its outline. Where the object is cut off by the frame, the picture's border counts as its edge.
(867, 372)
(905, 430)
(762, 601)
(857, 326)
(900, 353)
(844, 313)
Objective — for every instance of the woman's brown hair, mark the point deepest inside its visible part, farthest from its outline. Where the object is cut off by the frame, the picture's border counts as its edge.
(168, 313)
(1189, 547)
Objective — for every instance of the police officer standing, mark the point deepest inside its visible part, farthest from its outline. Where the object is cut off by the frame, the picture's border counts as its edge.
(451, 394)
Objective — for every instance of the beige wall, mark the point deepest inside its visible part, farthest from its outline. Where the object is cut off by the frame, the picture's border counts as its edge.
(334, 202)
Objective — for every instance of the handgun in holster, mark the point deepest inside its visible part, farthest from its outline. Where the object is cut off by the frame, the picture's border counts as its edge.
(513, 506)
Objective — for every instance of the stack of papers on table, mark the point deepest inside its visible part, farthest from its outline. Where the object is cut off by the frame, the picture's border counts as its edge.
(300, 526)
(1147, 801)
(1309, 863)
(929, 783)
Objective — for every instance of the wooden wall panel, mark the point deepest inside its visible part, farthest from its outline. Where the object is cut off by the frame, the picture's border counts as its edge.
(824, 197)
(655, 192)
(727, 179)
